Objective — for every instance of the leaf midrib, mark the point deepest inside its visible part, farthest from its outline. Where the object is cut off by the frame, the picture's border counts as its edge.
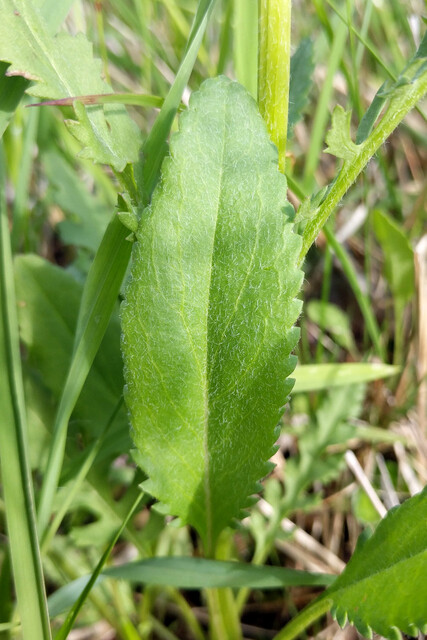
(207, 479)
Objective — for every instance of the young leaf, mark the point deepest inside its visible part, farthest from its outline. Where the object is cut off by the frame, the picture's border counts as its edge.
(210, 306)
(63, 66)
(384, 587)
(338, 137)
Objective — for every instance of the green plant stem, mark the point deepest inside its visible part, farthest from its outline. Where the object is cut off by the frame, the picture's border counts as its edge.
(405, 99)
(245, 48)
(16, 475)
(304, 619)
(274, 70)
(223, 615)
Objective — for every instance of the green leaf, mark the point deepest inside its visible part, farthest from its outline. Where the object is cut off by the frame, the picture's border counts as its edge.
(48, 304)
(63, 66)
(191, 573)
(384, 587)
(208, 318)
(11, 91)
(369, 118)
(338, 137)
(329, 317)
(315, 377)
(302, 67)
(398, 256)
(87, 214)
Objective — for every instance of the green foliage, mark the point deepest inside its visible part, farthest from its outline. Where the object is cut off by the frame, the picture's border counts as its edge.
(398, 256)
(302, 67)
(318, 377)
(338, 138)
(191, 573)
(383, 587)
(331, 318)
(63, 66)
(314, 463)
(48, 304)
(216, 247)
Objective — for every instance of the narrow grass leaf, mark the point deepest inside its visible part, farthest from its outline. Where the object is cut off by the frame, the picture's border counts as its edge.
(317, 377)
(209, 311)
(16, 475)
(384, 588)
(192, 573)
(155, 147)
(99, 298)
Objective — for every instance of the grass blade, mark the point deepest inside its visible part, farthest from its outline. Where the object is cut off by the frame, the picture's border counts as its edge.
(317, 377)
(99, 298)
(192, 573)
(154, 148)
(16, 476)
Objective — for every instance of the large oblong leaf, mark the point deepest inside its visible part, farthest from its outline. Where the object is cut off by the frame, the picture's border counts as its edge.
(207, 324)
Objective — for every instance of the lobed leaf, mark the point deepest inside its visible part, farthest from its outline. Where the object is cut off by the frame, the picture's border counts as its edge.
(383, 588)
(338, 137)
(207, 323)
(62, 66)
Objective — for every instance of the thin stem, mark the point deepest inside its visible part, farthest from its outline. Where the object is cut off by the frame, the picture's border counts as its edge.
(403, 101)
(304, 619)
(274, 70)
(223, 615)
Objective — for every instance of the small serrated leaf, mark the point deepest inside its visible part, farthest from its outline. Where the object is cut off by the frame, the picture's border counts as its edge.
(338, 137)
(64, 66)
(383, 587)
(207, 321)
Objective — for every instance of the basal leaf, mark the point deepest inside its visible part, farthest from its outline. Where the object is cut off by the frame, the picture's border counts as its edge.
(384, 586)
(207, 323)
(61, 66)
